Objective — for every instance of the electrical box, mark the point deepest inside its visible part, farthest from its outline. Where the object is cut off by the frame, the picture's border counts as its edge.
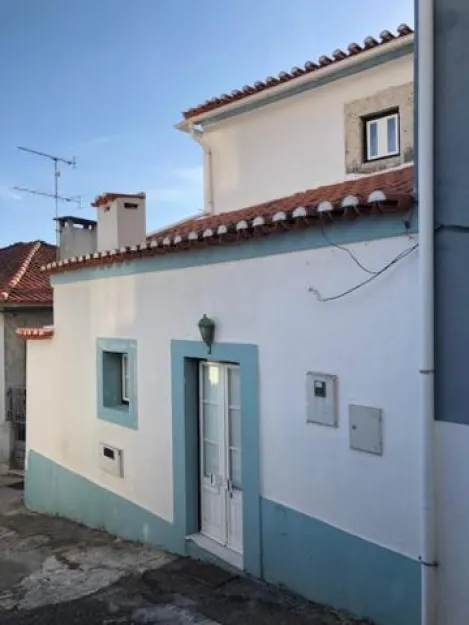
(366, 429)
(321, 397)
(111, 460)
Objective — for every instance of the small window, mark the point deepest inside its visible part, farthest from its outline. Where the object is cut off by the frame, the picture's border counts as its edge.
(382, 136)
(117, 381)
(125, 378)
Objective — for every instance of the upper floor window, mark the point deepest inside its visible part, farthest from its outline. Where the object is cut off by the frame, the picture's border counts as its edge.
(382, 136)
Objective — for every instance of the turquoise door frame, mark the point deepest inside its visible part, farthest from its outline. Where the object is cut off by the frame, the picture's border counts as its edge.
(185, 356)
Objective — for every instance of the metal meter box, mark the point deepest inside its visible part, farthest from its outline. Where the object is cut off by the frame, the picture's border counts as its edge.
(366, 429)
(110, 460)
(321, 397)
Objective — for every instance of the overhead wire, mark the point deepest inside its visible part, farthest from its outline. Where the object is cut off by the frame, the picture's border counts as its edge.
(345, 249)
(393, 262)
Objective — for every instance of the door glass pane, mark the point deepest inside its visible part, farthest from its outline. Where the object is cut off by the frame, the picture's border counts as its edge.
(211, 382)
(210, 459)
(392, 134)
(234, 396)
(372, 139)
(235, 427)
(210, 422)
(235, 468)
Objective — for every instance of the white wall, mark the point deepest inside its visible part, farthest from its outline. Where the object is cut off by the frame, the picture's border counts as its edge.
(292, 145)
(368, 340)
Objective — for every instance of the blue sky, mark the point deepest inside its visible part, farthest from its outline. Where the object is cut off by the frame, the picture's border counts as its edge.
(105, 81)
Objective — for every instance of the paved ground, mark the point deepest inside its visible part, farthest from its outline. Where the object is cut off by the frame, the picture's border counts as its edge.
(54, 572)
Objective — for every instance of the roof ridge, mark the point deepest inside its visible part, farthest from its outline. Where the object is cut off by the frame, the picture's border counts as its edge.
(13, 282)
(338, 55)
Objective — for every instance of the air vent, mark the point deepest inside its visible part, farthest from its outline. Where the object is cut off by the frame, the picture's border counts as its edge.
(111, 460)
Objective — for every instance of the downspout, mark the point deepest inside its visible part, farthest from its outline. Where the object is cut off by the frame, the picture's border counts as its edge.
(425, 169)
(198, 136)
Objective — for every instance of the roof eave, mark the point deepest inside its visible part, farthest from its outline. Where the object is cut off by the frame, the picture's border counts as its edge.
(380, 54)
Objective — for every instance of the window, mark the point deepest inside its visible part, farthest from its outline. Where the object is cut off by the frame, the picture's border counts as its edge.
(382, 136)
(117, 381)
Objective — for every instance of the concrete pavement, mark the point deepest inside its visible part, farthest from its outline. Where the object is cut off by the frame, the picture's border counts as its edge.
(53, 571)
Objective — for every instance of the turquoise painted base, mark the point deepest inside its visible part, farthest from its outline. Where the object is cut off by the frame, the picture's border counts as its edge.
(330, 566)
(54, 490)
(308, 556)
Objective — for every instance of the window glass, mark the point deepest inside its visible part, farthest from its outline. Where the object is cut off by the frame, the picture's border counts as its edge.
(210, 459)
(372, 139)
(233, 387)
(392, 134)
(210, 422)
(211, 383)
(235, 468)
(235, 427)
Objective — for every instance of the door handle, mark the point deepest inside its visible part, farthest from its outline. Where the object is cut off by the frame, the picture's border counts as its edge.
(229, 488)
(215, 480)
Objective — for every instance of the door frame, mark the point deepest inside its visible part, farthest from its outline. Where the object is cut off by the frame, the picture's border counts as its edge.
(185, 357)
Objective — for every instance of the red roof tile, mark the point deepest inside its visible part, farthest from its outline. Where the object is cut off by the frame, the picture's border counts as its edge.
(36, 334)
(21, 279)
(337, 56)
(380, 193)
(110, 196)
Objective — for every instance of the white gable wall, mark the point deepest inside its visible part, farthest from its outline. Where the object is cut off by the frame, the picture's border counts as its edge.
(292, 145)
(368, 339)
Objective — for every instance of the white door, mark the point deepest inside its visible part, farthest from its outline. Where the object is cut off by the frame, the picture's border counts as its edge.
(220, 454)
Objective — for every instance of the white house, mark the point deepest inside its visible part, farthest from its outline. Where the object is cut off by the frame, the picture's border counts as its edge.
(285, 444)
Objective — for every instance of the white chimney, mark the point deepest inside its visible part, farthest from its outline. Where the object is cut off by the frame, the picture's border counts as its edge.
(121, 220)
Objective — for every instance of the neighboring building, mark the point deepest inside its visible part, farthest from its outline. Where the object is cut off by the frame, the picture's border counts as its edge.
(451, 195)
(25, 299)
(289, 448)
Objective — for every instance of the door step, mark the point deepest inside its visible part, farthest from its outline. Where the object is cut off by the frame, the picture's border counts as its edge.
(215, 549)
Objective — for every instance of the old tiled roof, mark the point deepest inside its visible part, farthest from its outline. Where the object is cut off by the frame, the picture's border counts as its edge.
(21, 279)
(380, 193)
(338, 56)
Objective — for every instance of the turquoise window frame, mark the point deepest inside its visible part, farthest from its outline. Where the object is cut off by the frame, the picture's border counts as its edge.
(185, 356)
(108, 381)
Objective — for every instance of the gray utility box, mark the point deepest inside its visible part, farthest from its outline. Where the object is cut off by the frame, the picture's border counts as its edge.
(366, 429)
(321, 398)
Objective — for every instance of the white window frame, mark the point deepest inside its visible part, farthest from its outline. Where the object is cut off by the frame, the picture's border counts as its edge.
(125, 396)
(381, 123)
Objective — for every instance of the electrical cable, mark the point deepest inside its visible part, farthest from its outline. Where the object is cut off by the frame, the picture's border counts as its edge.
(345, 249)
(394, 261)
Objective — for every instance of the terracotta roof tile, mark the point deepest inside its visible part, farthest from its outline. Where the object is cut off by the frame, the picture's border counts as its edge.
(110, 196)
(21, 279)
(337, 56)
(379, 193)
(35, 333)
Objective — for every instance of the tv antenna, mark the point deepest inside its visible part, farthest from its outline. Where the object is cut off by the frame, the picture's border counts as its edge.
(58, 198)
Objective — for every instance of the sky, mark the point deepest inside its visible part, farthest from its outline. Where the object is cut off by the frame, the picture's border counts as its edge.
(105, 81)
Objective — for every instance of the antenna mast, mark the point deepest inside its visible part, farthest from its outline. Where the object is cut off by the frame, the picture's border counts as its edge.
(56, 160)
